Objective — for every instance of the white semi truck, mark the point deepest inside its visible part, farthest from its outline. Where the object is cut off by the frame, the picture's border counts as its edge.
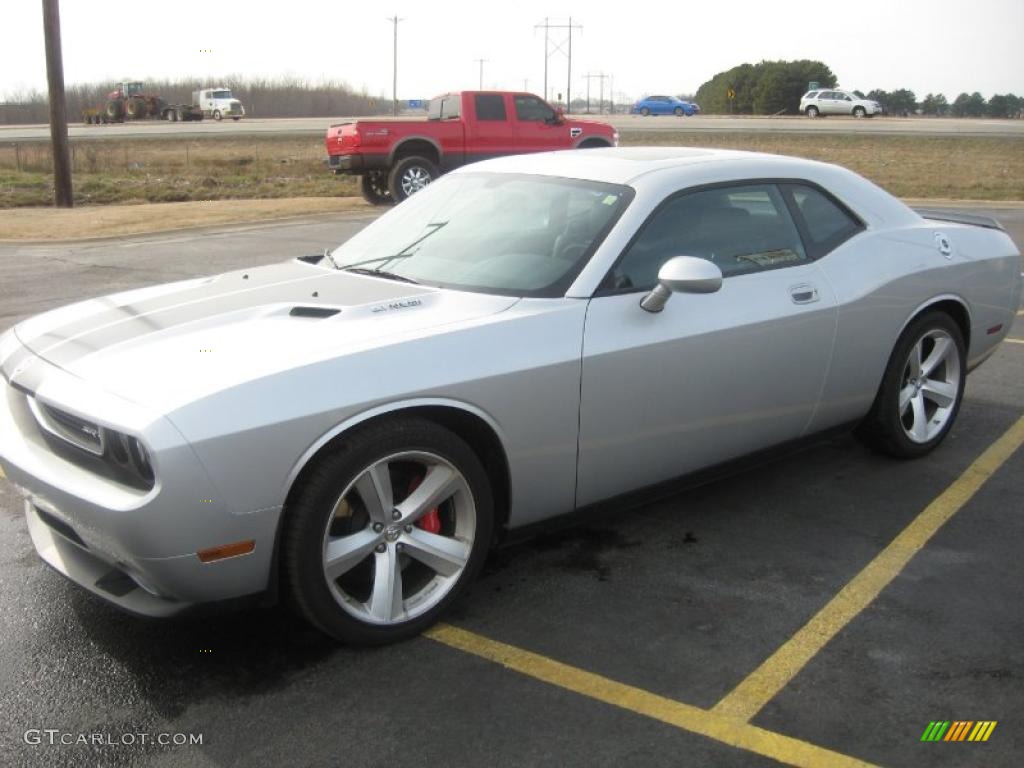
(218, 103)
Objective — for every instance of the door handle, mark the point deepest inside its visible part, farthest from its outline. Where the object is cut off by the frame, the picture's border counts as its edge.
(805, 293)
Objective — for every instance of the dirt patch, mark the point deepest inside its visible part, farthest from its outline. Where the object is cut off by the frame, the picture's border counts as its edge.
(53, 224)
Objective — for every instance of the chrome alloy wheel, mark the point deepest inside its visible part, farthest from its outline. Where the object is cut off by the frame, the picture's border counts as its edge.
(929, 386)
(414, 179)
(399, 537)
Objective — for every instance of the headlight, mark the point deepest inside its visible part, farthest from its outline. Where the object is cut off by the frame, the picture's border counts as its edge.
(130, 455)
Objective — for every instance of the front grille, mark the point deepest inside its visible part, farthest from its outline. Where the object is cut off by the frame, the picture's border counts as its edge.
(68, 427)
(106, 452)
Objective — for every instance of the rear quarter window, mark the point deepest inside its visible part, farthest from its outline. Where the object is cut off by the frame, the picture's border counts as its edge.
(825, 223)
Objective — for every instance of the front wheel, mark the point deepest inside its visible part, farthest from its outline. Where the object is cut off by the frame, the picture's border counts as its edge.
(409, 176)
(921, 390)
(645, 111)
(374, 186)
(812, 112)
(386, 531)
(678, 111)
(859, 112)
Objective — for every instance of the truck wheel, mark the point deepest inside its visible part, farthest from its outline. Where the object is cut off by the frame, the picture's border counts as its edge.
(114, 109)
(235, 119)
(374, 186)
(410, 175)
(217, 115)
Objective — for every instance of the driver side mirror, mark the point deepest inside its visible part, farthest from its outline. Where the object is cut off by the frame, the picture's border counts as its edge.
(682, 274)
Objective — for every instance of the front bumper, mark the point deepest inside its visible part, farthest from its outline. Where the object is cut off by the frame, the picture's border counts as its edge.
(136, 548)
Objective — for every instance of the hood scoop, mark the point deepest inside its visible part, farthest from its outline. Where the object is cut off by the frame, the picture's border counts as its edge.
(317, 313)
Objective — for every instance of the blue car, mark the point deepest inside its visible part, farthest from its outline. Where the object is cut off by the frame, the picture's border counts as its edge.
(665, 105)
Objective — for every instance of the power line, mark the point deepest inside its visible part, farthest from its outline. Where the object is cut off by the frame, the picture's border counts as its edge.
(564, 47)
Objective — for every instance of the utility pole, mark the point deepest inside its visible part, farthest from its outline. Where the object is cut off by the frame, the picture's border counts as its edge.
(481, 63)
(394, 66)
(564, 47)
(63, 197)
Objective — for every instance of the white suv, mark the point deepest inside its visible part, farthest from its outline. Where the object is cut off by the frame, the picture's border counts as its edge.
(826, 102)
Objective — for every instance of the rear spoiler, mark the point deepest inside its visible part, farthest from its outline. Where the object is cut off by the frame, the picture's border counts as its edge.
(959, 218)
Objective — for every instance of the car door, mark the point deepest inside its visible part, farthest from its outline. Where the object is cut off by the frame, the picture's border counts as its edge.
(714, 376)
(490, 132)
(535, 127)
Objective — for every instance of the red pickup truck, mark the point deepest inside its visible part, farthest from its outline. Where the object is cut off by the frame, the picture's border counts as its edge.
(398, 157)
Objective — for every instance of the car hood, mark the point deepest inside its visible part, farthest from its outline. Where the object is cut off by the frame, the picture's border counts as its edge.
(169, 344)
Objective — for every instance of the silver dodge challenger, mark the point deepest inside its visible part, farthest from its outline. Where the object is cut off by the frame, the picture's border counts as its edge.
(529, 336)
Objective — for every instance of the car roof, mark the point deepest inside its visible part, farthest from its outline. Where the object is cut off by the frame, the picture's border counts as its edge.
(622, 165)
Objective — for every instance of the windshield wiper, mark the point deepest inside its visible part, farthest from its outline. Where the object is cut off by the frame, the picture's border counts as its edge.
(407, 251)
(381, 273)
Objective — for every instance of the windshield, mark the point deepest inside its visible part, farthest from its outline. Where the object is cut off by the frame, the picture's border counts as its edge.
(221, 95)
(490, 232)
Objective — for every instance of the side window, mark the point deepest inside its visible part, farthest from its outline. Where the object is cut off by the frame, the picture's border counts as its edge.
(741, 229)
(531, 108)
(490, 106)
(811, 95)
(826, 223)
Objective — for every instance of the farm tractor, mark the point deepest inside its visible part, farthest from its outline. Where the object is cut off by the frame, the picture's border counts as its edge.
(128, 101)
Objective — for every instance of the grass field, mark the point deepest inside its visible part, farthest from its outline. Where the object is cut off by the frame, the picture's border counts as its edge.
(177, 170)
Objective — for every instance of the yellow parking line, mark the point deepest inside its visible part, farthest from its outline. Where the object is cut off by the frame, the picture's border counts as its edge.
(1020, 313)
(761, 686)
(1015, 341)
(2, 475)
(689, 718)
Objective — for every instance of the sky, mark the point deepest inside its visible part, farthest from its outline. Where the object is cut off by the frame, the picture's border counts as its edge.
(940, 46)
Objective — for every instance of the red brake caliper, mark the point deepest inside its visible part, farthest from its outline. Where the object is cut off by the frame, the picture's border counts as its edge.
(430, 522)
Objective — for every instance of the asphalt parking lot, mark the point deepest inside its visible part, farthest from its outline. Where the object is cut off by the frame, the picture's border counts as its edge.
(820, 610)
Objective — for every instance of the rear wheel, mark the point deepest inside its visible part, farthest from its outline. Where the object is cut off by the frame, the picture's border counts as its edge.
(409, 176)
(386, 531)
(374, 186)
(812, 112)
(921, 390)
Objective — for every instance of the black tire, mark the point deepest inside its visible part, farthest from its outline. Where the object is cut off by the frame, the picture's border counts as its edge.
(409, 176)
(812, 111)
(645, 111)
(885, 429)
(136, 108)
(314, 511)
(217, 115)
(678, 111)
(235, 119)
(114, 109)
(859, 112)
(374, 186)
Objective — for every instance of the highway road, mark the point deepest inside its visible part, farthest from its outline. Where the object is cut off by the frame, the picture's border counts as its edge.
(625, 124)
